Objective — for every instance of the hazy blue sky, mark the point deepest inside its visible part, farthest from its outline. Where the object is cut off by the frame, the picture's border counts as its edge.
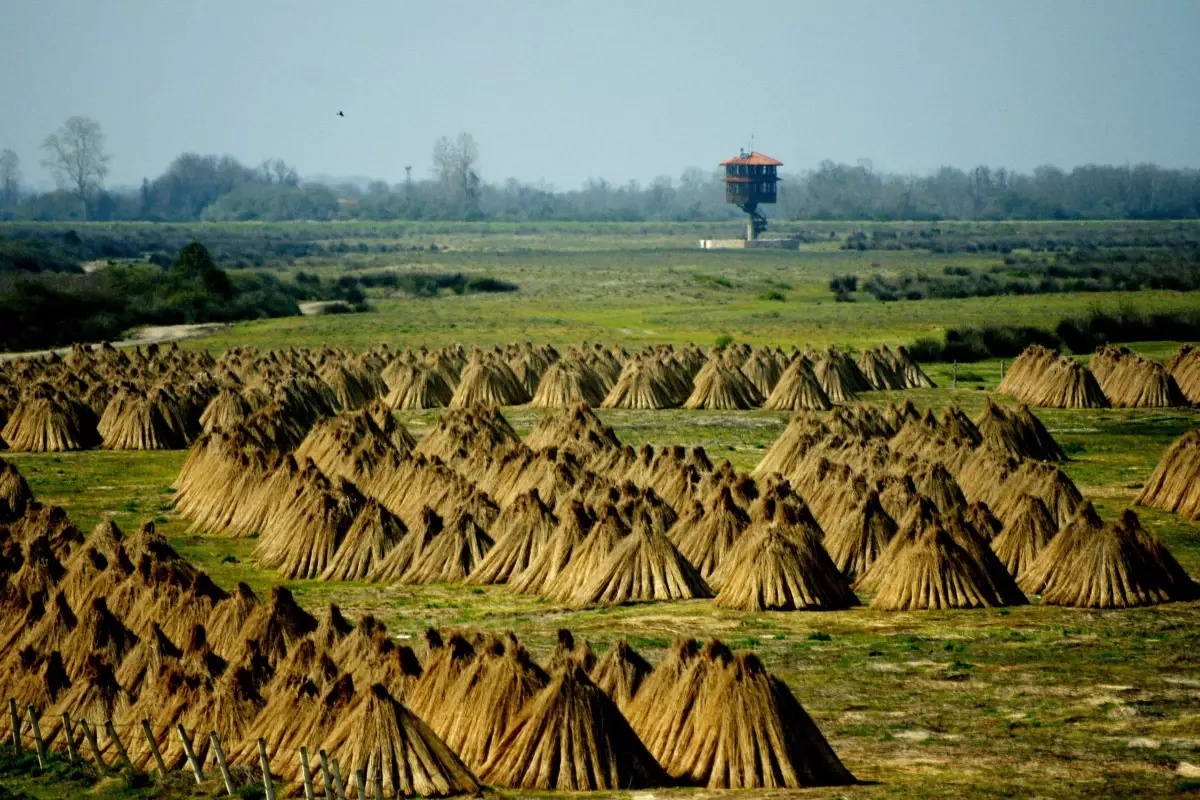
(562, 90)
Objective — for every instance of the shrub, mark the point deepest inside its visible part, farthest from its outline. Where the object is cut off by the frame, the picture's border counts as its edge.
(773, 294)
(723, 341)
(486, 283)
(843, 284)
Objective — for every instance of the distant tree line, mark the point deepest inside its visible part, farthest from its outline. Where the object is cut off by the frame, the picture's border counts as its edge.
(220, 188)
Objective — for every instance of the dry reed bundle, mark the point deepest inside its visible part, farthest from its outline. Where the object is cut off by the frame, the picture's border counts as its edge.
(521, 532)
(1082, 527)
(1130, 380)
(301, 535)
(228, 618)
(276, 624)
(1046, 481)
(723, 388)
(619, 673)
(645, 565)
(856, 540)
(576, 428)
(914, 377)
(137, 420)
(1018, 544)
(410, 548)
(417, 386)
(588, 555)
(798, 390)
(939, 486)
(444, 665)
(368, 541)
(779, 567)
(1175, 483)
(934, 572)
(227, 408)
(15, 495)
(1118, 566)
(1184, 366)
(1055, 381)
(487, 697)
(572, 737)
(574, 523)
(152, 654)
(38, 680)
(94, 697)
(1018, 433)
(451, 555)
(750, 732)
(880, 370)
(490, 383)
(383, 738)
(568, 653)
(641, 385)
(349, 388)
(763, 370)
(707, 541)
(567, 383)
(46, 420)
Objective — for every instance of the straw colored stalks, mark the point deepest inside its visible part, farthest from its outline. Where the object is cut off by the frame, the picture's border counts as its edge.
(451, 555)
(566, 383)
(1041, 377)
(15, 495)
(349, 388)
(880, 371)
(1131, 381)
(301, 535)
(707, 541)
(574, 523)
(934, 572)
(763, 370)
(750, 732)
(1081, 528)
(366, 544)
(1018, 433)
(489, 383)
(1184, 367)
(641, 385)
(1117, 566)
(411, 547)
(587, 556)
(1175, 484)
(643, 566)
(1020, 542)
(49, 421)
(798, 390)
(857, 539)
(776, 568)
(417, 386)
(137, 420)
(619, 673)
(521, 532)
(227, 408)
(723, 388)
(381, 736)
(572, 737)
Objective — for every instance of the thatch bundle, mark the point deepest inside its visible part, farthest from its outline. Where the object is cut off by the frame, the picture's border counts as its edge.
(763, 369)
(839, 376)
(416, 386)
(1018, 433)
(721, 387)
(1175, 483)
(881, 369)
(521, 532)
(644, 565)
(302, 532)
(1042, 377)
(366, 544)
(49, 420)
(798, 390)
(411, 547)
(15, 495)
(451, 555)
(857, 539)
(748, 731)
(150, 420)
(568, 382)
(228, 407)
(619, 673)
(1023, 538)
(1130, 380)
(587, 555)
(381, 737)
(1184, 366)
(782, 568)
(642, 384)
(572, 737)
(489, 382)
(574, 524)
(1115, 566)
(708, 540)
(914, 377)
(349, 387)
(933, 572)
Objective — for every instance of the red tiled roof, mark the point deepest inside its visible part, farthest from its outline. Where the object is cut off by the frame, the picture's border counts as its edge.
(754, 159)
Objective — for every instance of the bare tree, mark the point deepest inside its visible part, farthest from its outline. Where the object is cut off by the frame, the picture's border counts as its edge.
(75, 154)
(455, 165)
(10, 179)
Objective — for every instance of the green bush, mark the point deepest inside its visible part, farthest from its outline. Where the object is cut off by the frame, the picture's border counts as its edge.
(773, 294)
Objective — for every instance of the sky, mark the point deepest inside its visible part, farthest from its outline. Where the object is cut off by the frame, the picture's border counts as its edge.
(564, 90)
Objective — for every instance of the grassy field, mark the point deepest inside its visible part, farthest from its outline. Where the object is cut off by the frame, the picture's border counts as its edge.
(1023, 702)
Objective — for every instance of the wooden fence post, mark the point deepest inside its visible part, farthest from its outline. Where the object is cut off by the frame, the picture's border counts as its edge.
(150, 740)
(337, 780)
(37, 736)
(16, 724)
(360, 779)
(222, 764)
(326, 776)
(112, 735)
(266, 768)
(955, 379)
(70, 732)
(306, 774)
(90, 735)
(190, 753)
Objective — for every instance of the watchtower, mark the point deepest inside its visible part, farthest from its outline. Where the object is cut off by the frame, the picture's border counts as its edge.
(750, 179)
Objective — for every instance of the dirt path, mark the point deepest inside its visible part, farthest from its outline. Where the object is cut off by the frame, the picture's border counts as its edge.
(151, 334)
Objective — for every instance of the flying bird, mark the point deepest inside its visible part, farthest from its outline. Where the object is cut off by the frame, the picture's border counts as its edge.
(340, 114)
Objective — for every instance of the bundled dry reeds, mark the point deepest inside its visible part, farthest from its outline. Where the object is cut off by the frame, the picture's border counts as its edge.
(568, 382)
(1042, 377)
(857, 539)
(934, 572)
(642, 384)
(1184, 366)
(782, 568)
(1023, 538)
(798, 390)
(721, 387)
(1175, 483)
(47, 420)
(1130, 380)
(416, 386)
(619, 673)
